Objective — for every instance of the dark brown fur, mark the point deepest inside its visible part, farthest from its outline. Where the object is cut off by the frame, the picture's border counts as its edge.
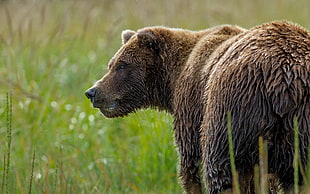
(263, 79)
(260, 75)
(188, 111)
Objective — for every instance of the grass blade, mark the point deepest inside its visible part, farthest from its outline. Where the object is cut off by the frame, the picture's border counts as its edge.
(236, 188)
(9, 139)
(3, 174)
(31, 175)
(296, 156)
(263, 165)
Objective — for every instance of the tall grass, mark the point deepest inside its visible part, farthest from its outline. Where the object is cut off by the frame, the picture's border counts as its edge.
(263, 166)
(296, 156)
(52, 51)
(263, 181)
(31, 174)
(236, 186)
(7, 158)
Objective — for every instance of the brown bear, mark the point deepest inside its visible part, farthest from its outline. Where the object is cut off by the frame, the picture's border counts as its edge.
(260, 75)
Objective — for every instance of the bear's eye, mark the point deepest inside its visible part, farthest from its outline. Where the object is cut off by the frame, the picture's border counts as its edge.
(122, 66)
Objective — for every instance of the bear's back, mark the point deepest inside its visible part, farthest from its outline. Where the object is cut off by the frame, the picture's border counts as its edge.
(278, 53)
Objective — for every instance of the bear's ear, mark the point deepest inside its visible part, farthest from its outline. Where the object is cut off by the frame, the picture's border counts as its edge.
(126, 35)
(148, 39)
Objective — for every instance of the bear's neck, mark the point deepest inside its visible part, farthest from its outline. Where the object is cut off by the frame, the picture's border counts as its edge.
(173, 56)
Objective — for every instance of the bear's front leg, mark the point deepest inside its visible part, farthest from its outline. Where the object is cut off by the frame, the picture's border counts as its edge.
(190, 178)
(187, 124)
(190, 158)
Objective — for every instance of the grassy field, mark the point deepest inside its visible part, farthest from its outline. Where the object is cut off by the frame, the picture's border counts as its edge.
(52, 51)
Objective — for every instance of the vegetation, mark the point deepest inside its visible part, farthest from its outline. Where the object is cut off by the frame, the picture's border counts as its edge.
(51, 139)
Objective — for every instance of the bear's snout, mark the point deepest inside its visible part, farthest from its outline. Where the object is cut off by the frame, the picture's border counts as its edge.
(107, 104)
(91, 94)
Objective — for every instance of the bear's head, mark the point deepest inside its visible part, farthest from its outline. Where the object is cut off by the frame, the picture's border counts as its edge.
(133, 68)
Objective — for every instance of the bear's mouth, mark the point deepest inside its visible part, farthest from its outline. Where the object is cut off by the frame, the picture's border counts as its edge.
(116, 109)
(108, 110)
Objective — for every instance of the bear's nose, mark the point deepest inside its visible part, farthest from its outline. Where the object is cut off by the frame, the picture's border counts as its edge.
(91, 93)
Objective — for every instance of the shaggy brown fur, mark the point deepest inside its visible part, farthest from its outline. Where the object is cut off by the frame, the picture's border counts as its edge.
(188, 104)
(261, 75)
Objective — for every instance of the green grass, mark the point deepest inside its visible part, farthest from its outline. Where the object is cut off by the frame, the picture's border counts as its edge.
(296, 156)
(52, 51)
(236, 188)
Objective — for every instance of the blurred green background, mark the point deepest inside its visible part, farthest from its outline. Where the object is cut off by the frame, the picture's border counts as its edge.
(52, 51)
